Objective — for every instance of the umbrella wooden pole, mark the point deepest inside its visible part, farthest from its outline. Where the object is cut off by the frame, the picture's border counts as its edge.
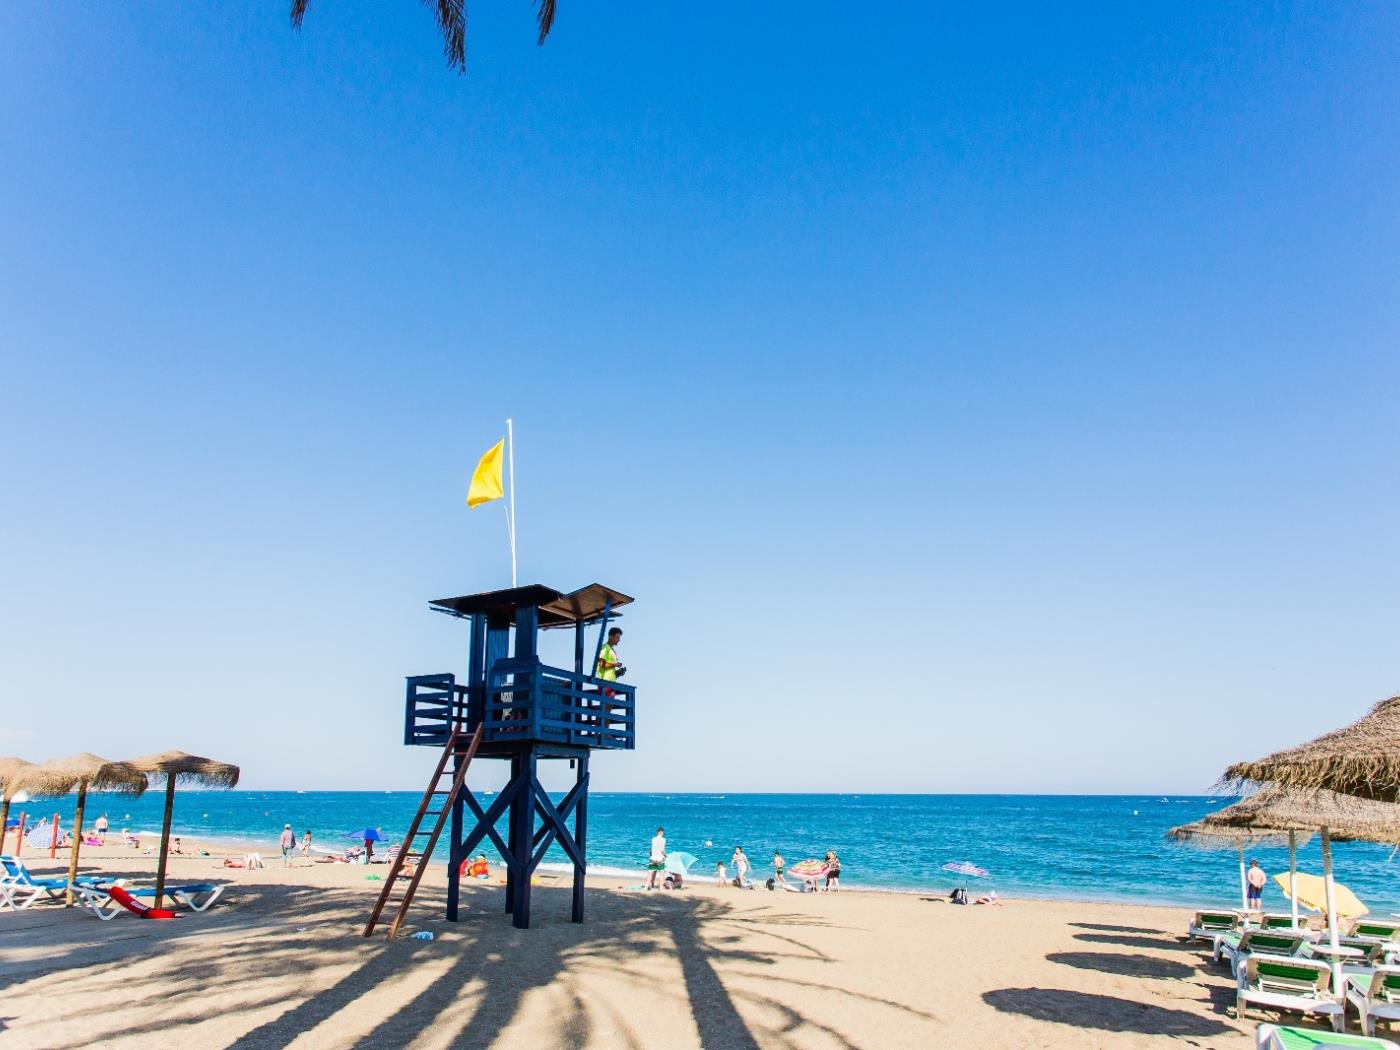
(4, 824)
(53, 838)
(19, 833)
(165, 836)
(1332, 935)
(1293, 874)
(77, 842)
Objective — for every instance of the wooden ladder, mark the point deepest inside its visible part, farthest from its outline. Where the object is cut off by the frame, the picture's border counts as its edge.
(435, 792)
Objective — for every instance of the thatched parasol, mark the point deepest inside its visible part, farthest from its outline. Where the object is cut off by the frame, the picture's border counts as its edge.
(1346, 783)
(178, 767)
(10, 768)
(1362, 759)
(83, 771)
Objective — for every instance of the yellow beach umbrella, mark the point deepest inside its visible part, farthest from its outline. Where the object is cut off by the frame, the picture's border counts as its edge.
(1312, 893)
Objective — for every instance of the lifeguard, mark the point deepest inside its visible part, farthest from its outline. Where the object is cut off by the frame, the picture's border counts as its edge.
(609, 668)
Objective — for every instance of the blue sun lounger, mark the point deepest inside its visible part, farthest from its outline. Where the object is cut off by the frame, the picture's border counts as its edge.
(19, 888)
(197, 896)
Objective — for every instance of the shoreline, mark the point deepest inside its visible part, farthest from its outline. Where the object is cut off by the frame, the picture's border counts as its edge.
(603, 875)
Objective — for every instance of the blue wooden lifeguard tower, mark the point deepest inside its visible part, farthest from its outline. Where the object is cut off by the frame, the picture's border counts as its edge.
(512, 707)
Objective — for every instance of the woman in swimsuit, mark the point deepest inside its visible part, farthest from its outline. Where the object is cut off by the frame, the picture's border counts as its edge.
(833, 871)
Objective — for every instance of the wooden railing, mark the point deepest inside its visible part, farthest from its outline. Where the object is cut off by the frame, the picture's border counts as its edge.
(524, 700)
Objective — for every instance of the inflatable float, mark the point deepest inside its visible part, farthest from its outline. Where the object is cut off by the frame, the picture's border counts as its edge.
(134, 906)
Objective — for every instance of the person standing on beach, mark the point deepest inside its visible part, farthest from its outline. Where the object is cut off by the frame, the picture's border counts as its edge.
(287, 841)
(833, 871)
(778, 863)
(1256, 880)
(306, 843)
(741, 867)
(101, 828)
(656, 861)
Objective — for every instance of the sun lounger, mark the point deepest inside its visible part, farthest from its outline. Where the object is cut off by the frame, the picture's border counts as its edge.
(1303, 985)
(1279, 1037)
(1207, 925)
(21, 888)
(1275, 1037)
(1377, 928)
(1253, 941)
(1280, 922)
(1372, 951)
(1375, 996)
(196, 896)
(97, 900)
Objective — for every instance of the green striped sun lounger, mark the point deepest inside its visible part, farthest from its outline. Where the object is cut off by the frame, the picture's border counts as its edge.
(1279, 1037)
(1252, 941)
(1207, 925)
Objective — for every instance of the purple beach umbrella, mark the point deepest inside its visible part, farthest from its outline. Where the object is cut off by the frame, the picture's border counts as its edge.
(966, 867)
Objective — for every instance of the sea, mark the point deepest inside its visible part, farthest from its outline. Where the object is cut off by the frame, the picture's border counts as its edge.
(1076, 847)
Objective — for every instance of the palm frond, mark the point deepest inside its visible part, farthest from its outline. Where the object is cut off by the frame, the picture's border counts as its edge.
(546, 18)
(452, 21)
(298, 13)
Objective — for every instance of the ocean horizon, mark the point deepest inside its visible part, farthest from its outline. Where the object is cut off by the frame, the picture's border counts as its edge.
(1073, 847)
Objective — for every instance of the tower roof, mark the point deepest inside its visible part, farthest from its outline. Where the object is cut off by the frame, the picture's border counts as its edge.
(557, 609)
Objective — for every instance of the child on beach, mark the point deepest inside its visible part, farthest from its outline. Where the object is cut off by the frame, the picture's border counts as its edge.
(778, 863)
(657, 858)
(306, 843)
(721, 876)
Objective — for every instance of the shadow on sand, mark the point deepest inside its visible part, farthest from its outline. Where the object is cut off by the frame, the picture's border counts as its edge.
(1103, 1012)
(296, 955)
(1125, 965)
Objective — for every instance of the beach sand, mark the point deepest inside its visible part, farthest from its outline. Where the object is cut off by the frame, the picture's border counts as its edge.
(279, 962)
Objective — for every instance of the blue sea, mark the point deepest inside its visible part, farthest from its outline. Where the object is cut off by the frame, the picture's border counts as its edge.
(1086, 847)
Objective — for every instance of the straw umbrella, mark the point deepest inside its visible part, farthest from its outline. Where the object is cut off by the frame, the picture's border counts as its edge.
(1204, 835)
(1253, 820)
(1339, 817)
(84, 771)
(176, 766)
(1362, 759)
(10, 768)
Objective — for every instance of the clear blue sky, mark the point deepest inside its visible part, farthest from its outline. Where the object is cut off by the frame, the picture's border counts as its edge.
(998, 400)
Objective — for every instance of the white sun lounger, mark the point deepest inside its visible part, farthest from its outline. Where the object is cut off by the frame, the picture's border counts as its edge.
(1282, 983)
(1280, 1037)
(1377, 997)
(1207, 924)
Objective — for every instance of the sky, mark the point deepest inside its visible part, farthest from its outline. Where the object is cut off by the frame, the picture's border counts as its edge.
(973, 400)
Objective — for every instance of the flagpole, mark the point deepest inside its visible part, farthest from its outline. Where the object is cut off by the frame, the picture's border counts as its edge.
(510, 514)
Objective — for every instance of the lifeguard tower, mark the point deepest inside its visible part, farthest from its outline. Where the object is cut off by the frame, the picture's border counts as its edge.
(514, 708)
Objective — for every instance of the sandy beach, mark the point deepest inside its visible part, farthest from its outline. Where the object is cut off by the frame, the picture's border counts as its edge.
(279, 962)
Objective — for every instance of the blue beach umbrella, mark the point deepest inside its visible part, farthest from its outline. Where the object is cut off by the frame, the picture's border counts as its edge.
(679, 863)
(366, 834)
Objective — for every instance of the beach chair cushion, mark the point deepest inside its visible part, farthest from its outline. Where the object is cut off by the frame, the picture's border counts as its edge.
(1378, 929)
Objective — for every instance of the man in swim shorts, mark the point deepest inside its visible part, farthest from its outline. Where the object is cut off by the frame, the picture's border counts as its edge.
(1255, 880)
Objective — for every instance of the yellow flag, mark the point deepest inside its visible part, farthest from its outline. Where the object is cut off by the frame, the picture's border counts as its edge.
(486, 480)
